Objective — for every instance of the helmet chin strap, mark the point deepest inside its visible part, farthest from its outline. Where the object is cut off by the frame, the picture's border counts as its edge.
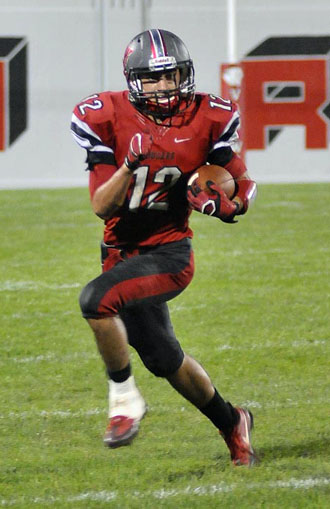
(162, 104)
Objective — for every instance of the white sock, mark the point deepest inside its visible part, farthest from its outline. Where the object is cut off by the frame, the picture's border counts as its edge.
(125, 399)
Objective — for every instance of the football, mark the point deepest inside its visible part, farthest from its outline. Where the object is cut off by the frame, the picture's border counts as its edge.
(216, 174)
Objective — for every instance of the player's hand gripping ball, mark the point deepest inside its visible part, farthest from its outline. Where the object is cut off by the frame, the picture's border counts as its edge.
(212, 173)
(210, 189)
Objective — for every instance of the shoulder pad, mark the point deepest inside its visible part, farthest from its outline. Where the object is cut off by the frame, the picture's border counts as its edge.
(92, 121)
(217, 108)
(95, 108)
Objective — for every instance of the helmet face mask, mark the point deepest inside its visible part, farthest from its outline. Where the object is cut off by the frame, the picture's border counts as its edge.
(150, 56)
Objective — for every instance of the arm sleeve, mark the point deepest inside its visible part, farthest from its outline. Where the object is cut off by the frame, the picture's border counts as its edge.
(227, 158)
(236, 166)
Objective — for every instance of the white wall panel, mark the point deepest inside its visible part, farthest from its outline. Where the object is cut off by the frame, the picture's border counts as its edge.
(202, 26)
(63, 64)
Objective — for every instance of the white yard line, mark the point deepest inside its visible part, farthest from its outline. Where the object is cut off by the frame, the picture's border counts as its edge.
(285, 204)
(194, 491)
(14, 286)
(51, 357)
(72, 414)
(55, 357)
(274, 344)
(63, 414)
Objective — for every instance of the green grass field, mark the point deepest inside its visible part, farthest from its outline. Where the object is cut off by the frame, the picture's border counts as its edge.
(256, 316)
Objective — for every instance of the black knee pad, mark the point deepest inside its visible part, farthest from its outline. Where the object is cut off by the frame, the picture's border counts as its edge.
(88, 301)
(150, 333)
(162, 365)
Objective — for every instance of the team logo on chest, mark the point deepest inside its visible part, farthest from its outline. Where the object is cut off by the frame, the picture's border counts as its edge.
(161, 155)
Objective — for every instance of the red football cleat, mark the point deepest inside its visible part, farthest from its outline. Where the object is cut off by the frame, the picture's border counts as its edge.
(239, 440)
(120, 431)
(126, 409)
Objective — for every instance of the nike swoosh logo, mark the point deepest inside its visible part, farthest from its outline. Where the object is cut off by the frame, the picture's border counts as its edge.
(176, 140)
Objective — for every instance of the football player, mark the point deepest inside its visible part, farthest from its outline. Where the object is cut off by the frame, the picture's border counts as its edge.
(142, 146)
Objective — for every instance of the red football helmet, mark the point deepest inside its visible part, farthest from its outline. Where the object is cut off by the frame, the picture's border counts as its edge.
(151, 54)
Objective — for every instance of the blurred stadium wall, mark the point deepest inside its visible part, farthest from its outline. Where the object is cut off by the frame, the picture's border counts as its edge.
(55, 52)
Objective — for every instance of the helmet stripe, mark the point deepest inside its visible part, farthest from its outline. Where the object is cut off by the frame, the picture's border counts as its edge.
(158, 48)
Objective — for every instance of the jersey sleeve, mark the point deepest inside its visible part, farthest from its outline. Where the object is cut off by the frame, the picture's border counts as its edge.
(91, 127)
(100, 174)
(225, 119)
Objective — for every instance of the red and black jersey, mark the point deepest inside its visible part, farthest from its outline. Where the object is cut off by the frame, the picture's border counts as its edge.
(156, 210)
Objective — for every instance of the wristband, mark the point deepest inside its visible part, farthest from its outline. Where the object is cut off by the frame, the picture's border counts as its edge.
(132, 165)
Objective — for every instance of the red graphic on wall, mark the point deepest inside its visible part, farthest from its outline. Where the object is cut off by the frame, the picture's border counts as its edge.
(285, 82)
